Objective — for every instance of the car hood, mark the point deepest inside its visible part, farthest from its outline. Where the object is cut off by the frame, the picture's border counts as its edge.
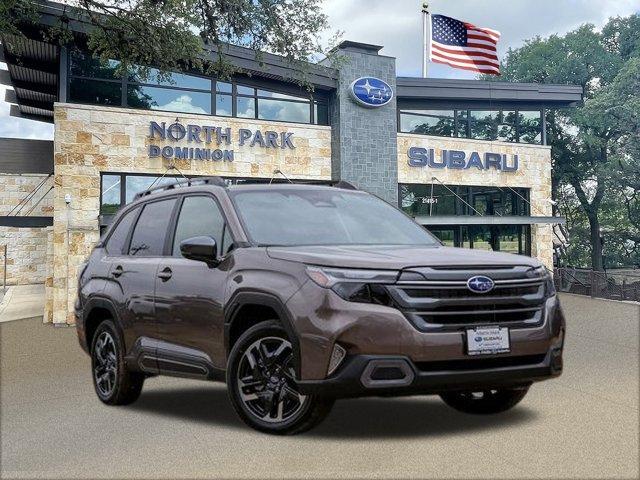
(396, 257)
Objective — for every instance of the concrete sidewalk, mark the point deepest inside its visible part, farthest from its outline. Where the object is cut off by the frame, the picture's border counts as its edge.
(21, 302)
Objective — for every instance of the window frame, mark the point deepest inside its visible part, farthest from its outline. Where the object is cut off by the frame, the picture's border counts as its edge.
(311, 100)
(173, 224)
(142, 206)
(465, 126)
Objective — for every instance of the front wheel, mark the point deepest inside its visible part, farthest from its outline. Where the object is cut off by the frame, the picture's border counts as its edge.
(262, 387)
(113, 382)
(485, 401)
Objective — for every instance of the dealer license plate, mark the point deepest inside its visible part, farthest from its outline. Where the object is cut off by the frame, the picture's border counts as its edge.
(487, 340)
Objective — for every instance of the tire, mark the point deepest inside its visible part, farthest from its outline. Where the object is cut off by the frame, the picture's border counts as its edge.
(485, 402)
(114, 383)
(267, 400)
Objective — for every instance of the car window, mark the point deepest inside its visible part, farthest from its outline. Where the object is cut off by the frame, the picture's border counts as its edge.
(227, 241)
(199, 216)
(151, 229)
(115, 244)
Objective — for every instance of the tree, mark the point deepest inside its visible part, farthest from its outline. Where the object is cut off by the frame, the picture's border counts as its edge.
(594, 146)
(172, 35)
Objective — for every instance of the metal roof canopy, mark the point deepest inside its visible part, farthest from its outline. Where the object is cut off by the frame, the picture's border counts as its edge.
(487, 220)
(468, 93)
(21, 155)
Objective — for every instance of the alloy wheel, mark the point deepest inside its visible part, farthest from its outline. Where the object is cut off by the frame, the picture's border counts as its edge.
(106, 366)
(266, 381)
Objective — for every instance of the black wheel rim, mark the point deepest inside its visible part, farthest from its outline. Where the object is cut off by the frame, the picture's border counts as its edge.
(105, 366)
(266, 381)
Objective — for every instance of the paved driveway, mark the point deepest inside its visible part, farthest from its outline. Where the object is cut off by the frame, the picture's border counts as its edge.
(582, 425)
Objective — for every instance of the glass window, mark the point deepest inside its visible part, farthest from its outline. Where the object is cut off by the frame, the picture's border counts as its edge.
(95, 92)
(242, 90)
(462, 119)
(283, 111)
(484, 125)
(224, 87)
(199, 216)
(156, 98)
(227, 241)
(223, 105)
(83, 64)
(529, 127)
(151, 229)
(321, 113)
(111, 188)
(506, 122)
(324, 217)
(267, 93)
(245, 107)
(137, 183)
(152, 75)
(428, 122)
(115, 244)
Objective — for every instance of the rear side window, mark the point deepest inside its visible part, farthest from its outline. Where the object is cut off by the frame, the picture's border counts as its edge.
(151, 229)
(199, 216)
(115, 244)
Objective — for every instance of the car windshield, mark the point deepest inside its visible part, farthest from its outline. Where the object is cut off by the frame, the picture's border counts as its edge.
(324, 217)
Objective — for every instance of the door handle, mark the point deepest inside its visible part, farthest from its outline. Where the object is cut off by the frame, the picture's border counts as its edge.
(117, 271)
(165, 274)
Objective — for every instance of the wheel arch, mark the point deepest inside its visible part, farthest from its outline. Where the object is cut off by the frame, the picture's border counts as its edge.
(95, 311)
(238, 318)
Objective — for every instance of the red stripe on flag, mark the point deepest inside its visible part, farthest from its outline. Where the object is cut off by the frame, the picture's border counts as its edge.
(463, 51)
(483, 37)
(473, 69)
(468, 60)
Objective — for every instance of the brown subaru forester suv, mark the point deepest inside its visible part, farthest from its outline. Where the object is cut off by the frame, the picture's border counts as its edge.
(297, 295)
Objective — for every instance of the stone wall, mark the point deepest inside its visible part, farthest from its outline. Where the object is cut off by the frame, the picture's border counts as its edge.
(26, 247)
(534, 172)
(89, 140)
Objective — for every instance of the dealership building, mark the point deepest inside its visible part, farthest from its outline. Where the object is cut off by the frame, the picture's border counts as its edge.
(467, 159)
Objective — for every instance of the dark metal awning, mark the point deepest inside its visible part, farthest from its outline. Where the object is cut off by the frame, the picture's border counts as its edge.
(487, 220)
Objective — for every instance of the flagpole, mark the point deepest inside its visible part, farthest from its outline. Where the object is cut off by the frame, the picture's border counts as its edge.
(426, 37)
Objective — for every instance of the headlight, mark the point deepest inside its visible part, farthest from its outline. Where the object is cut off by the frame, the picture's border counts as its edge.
(354, 285)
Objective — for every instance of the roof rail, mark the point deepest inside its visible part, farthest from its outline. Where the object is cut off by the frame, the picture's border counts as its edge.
(217, 181)
(345, 185)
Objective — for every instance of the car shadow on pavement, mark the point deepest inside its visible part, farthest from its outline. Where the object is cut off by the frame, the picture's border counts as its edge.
(352, 418)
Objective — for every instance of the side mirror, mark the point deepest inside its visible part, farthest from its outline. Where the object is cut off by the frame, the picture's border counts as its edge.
(203, 249)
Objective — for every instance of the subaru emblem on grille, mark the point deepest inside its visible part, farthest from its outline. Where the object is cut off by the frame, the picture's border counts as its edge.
(480, 284)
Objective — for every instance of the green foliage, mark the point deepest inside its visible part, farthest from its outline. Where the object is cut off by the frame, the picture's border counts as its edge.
(596, 147)
(172, 35)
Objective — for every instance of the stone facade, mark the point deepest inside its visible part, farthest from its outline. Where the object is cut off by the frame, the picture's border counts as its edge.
(534, 173)
(26, 247)
(364, 139)
(89, 140)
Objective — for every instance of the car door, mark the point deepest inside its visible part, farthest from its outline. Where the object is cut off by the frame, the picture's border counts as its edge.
(133, 275)
(190, 293)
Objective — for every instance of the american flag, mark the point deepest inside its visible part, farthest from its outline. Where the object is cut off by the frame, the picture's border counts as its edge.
(463, 45)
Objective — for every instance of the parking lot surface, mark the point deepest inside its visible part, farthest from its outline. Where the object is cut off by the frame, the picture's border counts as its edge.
(582, 425)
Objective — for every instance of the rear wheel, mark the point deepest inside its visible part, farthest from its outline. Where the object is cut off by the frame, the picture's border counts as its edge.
(485, 401)
(262, 387)
(113, 382)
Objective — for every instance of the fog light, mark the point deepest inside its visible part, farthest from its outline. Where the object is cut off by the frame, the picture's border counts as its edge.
(337, 356)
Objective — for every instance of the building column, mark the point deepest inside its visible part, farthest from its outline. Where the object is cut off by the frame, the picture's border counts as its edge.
(364, 140)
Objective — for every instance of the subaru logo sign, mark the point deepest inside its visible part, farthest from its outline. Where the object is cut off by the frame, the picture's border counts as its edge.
(480, 284)
(371, 92)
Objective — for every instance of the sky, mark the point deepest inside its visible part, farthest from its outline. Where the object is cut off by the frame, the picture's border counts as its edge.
(397, 25)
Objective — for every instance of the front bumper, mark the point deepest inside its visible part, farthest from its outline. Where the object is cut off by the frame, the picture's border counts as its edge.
(323, 319)
(375, 375)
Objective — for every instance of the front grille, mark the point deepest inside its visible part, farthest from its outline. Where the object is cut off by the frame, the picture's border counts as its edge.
(443, 302)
